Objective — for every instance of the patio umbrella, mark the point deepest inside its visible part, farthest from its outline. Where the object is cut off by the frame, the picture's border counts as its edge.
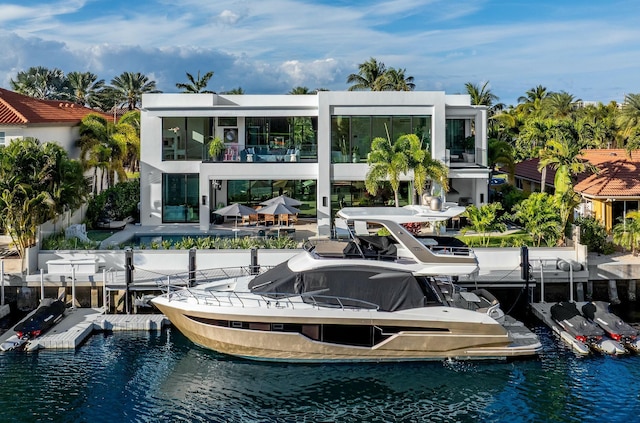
(278, 208)
(283, 199)
(236, 210)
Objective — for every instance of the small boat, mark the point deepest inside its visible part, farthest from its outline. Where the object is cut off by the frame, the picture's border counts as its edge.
(381, 296)
(48, 314)
(582, 333)
(616, 328)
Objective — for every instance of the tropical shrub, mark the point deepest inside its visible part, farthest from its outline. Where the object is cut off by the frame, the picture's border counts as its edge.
(594, 235)
(115, 203)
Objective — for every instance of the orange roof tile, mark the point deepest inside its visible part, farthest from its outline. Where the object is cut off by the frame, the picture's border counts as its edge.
(18, 109)
(618, 175)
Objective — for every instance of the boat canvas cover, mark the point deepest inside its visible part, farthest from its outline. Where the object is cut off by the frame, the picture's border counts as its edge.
(389, 290)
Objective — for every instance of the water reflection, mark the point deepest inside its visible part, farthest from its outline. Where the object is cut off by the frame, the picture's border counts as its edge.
(163, 377)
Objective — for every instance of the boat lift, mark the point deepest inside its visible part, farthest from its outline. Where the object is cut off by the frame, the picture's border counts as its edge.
(542, 309)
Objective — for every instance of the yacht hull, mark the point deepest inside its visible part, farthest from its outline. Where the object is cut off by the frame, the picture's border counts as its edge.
(433, 340)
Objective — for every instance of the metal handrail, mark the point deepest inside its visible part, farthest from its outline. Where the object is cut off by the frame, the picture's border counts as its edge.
(276, 299)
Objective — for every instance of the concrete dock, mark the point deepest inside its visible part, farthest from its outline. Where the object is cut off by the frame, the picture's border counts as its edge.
(79, 323)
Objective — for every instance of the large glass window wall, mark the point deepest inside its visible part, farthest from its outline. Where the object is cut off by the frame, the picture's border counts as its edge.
(284, 139)
(455, 138)
(351, 136)
(180, 193)
(254, 192)
(354, 194)
(186, 138)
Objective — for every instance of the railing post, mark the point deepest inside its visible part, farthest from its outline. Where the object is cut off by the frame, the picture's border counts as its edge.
(128, 276)
(255, 268)
(2, 282)
(541, 281)
(41, 285)
(104, 291)
(73, 286)
(192, 267)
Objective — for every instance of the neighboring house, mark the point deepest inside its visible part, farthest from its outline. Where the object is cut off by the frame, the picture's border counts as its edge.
(47, 120)
(310, 147)
(608, 195)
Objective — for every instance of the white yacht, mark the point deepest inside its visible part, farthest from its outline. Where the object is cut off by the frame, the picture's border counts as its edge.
(383, 295)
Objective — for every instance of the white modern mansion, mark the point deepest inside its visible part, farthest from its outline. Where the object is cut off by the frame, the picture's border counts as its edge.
(310, 147)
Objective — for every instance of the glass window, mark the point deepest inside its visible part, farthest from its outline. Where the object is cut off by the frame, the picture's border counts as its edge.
(351, 136)
(180, 198)
(400, 125)
(422, 128)
(381, 126)
(2, 138)
(285, 139)
(455, 136)
(360, 137)
(253, 192)
(354, 194)
(227, 121)
(185, 138)
(340, 135)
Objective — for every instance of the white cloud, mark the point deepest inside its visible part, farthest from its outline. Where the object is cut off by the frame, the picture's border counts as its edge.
(274, 45)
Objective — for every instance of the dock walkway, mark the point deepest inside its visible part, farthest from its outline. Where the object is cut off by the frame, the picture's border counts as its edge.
(79, 323)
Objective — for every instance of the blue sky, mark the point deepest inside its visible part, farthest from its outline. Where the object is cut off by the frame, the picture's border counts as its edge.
(587, 48)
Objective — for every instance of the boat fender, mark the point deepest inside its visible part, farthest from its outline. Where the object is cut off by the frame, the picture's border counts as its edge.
(609, 346)
(487, 295)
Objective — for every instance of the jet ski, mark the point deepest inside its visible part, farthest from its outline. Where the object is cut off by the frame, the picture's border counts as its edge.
(617, 329)
(585, 332)
(48, 314)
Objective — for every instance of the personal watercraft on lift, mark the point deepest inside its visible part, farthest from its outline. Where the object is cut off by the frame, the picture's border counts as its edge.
(48, 314)
(617, 329)
(584, 331)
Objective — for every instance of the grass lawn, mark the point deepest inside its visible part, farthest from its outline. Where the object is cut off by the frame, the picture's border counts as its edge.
(516, 239)
(99, 235)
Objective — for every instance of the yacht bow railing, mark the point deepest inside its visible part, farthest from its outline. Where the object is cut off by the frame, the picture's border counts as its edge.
(276, 300)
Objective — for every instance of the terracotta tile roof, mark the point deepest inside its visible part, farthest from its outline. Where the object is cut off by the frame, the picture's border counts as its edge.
(18, 109)
(618, 176)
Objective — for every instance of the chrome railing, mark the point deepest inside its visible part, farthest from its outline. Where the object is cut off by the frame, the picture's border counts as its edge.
(268, 300)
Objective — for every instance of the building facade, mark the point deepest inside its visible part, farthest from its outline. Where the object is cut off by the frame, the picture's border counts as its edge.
(310, 147)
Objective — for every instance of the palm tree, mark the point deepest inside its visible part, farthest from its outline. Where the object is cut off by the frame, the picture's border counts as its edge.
(627, 233)
(394, 80)
(197, 84)
(387, 161)
(235, 91)
(300, 91)
(102, 148)
(367, 77)
(534, 94)
(127, 130)
(481, 96)
(424, 166)
(629, 117)
(500, 154)
(561, 104)
(85, 88)
(130, 86)
(533, 136)
(538, 215)
(43, 83)
(484, 220)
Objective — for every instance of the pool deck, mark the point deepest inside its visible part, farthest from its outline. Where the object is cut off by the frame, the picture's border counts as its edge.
(304, 229)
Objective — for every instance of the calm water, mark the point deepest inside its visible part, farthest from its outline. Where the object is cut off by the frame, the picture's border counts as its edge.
(141, 377)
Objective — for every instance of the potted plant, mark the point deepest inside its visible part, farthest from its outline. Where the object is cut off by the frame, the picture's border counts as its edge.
(216, 148)
(469, 149)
